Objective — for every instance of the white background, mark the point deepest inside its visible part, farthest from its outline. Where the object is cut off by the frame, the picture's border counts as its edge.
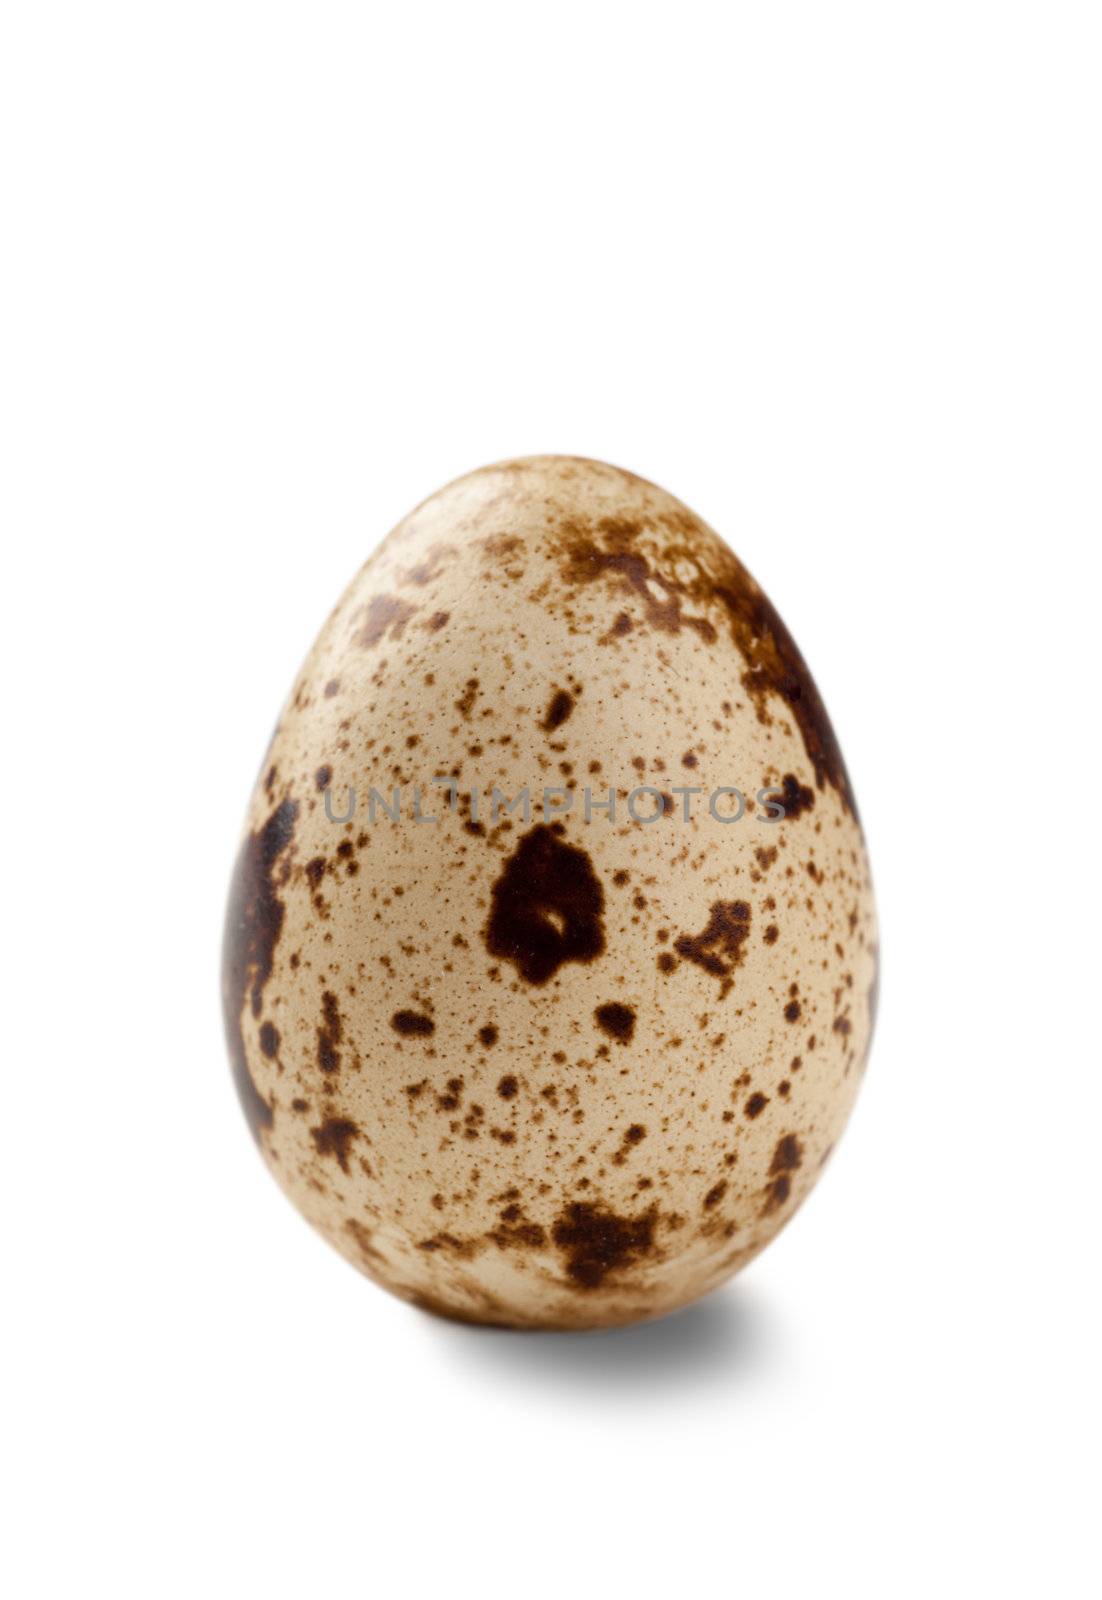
(273, 273)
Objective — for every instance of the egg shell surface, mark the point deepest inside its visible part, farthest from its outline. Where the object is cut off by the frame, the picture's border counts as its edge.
(568, 1065)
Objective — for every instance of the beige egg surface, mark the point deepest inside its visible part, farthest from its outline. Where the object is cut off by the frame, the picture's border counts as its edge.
(568, 1064)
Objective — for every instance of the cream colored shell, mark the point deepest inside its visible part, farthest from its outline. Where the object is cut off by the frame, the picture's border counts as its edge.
(563, 1074)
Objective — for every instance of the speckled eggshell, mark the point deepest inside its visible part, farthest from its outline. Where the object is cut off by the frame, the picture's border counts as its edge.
(566, 1073)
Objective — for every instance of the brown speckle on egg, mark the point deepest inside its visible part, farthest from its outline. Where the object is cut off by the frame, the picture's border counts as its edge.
(334, 1138)
(617, 1020)
(412, 1024)
(546, 907)
(562, 704)
(718, 948)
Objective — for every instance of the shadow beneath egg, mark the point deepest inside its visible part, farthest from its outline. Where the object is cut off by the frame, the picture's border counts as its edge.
(729, 1336)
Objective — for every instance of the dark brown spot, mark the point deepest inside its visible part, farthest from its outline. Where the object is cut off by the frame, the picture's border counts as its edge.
(507, 1087)
(719, 949)
(756, 1105)
(254, 920)
(323, 777)
(797, 797)
(462, 1249)
(524, 1236)
(632, 1136)
(334, 1138)
(269, 1040)
(715, 1195)
(562, 704)
(438, 620)
(776, 1194)
(465, 704)
(546, 907)
(617, 1020)
(452, 1098)
(412, 1023)
(792, 1011)
(487, 1035)
(597, 1243)
(787, 1156)
(329, 1034)
(516, 1232)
